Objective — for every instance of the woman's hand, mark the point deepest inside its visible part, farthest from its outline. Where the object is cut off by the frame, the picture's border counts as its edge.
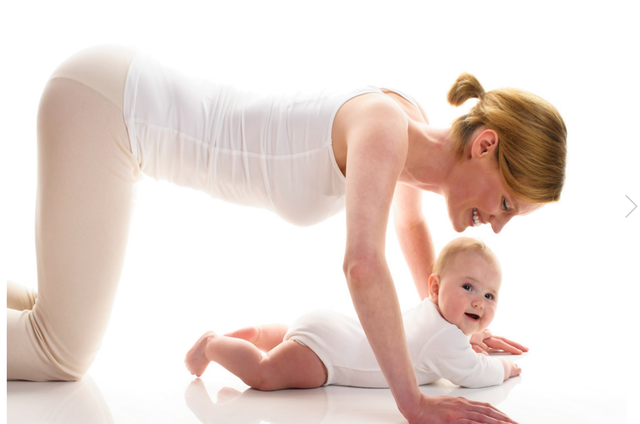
(445, 409)
(485, 342)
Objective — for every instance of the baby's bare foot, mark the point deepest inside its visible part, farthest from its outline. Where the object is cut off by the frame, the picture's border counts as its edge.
(196, 359)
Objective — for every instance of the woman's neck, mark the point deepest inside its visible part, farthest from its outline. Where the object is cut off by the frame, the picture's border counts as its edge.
(430, 158)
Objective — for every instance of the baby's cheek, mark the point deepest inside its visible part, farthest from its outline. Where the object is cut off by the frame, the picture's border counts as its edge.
(491, 313)
(447, 315)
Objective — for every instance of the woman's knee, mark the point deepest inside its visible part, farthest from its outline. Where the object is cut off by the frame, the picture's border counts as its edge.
(39, 353)
(62, 364)
(68, 374)
(19, 297)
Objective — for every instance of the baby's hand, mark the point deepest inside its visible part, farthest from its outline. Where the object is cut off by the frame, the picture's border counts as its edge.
(515, 370)
(510, 369)
(484, 342)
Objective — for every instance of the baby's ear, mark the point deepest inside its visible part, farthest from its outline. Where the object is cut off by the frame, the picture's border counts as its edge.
(434, 287)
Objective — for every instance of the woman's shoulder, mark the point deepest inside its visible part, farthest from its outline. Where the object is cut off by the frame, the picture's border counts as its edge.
(408, 103)
(370, 119)
(370, 110)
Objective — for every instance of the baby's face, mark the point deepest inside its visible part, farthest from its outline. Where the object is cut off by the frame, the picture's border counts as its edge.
(467, 292)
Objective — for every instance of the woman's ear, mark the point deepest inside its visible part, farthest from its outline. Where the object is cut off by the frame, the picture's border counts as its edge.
(434, 287)
(485, 144)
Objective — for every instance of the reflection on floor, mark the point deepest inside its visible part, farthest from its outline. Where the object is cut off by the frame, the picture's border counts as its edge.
(54, 402)
(325, 405)
(83, 402)
(221, 398)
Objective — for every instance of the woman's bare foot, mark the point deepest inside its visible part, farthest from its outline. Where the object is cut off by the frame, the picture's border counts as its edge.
(196, 359)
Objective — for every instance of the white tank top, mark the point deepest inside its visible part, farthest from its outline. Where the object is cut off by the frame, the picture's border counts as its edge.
(265, 150)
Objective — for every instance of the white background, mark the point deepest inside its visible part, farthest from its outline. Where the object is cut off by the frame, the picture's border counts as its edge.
(571, 279)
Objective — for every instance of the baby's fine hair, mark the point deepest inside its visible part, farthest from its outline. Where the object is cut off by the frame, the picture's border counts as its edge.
(459, 245)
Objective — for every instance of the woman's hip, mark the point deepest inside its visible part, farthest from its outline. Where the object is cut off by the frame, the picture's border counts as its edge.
(101, 68)
(81, 118)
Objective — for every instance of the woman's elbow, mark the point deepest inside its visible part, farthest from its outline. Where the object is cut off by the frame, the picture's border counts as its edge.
(360, 270)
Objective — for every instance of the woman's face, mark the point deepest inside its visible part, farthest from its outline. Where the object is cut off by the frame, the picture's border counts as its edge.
(477, 194)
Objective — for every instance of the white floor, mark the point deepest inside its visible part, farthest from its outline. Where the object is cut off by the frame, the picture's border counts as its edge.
(105, 396)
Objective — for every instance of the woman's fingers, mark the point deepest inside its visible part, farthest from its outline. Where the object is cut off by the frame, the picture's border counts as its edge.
(482, 419)
(443, 409)
(484, 413)
(487, 414)
(490, 414)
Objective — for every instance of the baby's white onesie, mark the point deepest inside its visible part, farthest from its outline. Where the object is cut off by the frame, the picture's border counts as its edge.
(438, 349)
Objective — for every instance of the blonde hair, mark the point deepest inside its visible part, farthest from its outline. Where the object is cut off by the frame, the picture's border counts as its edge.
(532, 145)
(459, 245)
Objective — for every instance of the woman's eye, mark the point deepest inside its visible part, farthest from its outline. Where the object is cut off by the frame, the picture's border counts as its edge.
(504, 204)
(467, 287)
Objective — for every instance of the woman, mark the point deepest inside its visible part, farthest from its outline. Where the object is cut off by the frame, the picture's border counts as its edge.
(107, 114)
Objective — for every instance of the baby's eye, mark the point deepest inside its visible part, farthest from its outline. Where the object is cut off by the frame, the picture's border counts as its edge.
(489, 296)
(467, 287)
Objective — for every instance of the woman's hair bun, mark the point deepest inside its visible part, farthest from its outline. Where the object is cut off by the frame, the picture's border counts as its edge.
(465, 88)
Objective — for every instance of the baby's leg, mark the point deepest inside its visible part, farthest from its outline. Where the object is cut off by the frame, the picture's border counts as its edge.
(288, 366)
(291, 365)
(196, 359)
(265, 337)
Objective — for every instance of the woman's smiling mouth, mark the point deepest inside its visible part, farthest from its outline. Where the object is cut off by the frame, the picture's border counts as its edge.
(476, 218)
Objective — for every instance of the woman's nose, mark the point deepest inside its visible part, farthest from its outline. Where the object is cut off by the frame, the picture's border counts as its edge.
(498, 222)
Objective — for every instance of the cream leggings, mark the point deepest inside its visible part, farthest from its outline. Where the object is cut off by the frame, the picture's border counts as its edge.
(86, 176)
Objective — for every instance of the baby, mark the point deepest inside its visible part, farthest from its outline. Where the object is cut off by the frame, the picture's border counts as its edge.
(326, 347)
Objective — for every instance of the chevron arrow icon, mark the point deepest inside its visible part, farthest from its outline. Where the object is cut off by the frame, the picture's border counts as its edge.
(634, 206)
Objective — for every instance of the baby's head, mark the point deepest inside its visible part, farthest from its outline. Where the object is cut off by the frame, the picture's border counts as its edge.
(465, 283)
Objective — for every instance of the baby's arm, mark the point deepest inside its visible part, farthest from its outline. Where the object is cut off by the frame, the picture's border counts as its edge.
(510, 369)
(450, 356)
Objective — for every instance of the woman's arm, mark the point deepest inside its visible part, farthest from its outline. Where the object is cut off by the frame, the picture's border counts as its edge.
(412, 231)
(376, 155)
(377, 147)
(414, 236)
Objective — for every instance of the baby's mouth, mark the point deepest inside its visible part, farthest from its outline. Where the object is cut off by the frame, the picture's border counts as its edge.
(473, 316)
